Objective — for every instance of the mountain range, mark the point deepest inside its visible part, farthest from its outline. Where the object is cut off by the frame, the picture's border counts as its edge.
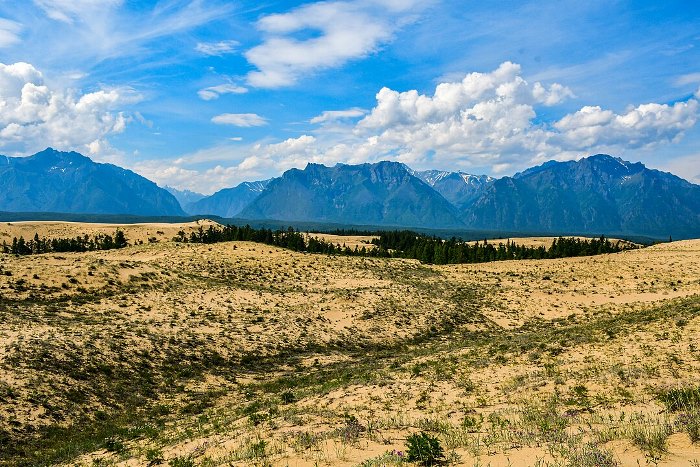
(68, 182)
(596, 194)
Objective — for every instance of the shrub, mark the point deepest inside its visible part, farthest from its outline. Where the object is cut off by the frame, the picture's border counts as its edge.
(424, 449)
(154, 456)
(288, 397)
(183, 461)
(690, 423)
(651, 437)
(113, 444)
(351, 429)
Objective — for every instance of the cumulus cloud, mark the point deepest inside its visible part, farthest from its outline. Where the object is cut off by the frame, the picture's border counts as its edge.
(484, 120)
(644, 125)
(341, 31)
(233, 164)
(490, 119)
(241, 120)
(34, 116)
(332, 115)
(206, 181)
(213, 92)
(217, 48)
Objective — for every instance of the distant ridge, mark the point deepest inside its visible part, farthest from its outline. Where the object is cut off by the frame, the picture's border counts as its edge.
(384, 193)
(229, 202)
(458, 188)
(599, 193)
(70, 182)
(185, 197)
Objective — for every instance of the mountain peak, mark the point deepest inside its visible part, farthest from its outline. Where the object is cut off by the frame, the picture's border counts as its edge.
(57, 181)
(459, 188)
(613, 165)
(380, 193)
(51, 154)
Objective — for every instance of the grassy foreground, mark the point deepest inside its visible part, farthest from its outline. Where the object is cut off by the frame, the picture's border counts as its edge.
(238, 353)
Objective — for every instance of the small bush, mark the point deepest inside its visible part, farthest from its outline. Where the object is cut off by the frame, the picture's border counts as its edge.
(257, 450)
(589, 455)
(472, 424)
(113, 444)
(351, 429)
(652, 438)
(424, 449)
(154, 456)
(288, 397)
(183, 461)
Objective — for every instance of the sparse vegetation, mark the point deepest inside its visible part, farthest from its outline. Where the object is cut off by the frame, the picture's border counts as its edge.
(206, 354)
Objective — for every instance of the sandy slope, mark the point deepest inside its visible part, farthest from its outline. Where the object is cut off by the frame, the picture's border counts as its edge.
(496, 344)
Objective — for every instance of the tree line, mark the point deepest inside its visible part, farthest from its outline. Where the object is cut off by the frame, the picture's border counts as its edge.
(388, 244)
(408, 244)
(38, 245)
(434, 250)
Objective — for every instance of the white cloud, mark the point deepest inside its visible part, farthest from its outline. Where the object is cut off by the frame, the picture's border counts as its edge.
(217, 48)
(205, 181)
(489, 119)
(332, 115)
(241, 120)
(9, 32)
(34, 116)
(86, 33)
(346, 31)
(689, 78)
(644, 125)
(233, 164)
(213, 92)
(69, 11)
(484, 120)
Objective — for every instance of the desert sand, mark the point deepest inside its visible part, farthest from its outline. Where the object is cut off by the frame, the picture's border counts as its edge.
(243, 354)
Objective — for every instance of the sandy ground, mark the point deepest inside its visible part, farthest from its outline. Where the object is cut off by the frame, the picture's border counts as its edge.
(351, 241)
(133, 232)
(486, 357)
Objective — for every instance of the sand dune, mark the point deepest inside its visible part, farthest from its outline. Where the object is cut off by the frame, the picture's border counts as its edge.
(240, 353)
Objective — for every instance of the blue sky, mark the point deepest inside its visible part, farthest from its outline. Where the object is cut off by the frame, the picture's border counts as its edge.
(206, 94)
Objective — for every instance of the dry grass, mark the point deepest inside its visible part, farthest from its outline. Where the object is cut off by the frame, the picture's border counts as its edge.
(239, 353)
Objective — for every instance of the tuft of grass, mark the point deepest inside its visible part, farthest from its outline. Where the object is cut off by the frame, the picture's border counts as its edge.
(651, 437)
(690, 423)
(680, 399)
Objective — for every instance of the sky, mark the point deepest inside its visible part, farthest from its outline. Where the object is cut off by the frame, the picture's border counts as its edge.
(205, 94)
